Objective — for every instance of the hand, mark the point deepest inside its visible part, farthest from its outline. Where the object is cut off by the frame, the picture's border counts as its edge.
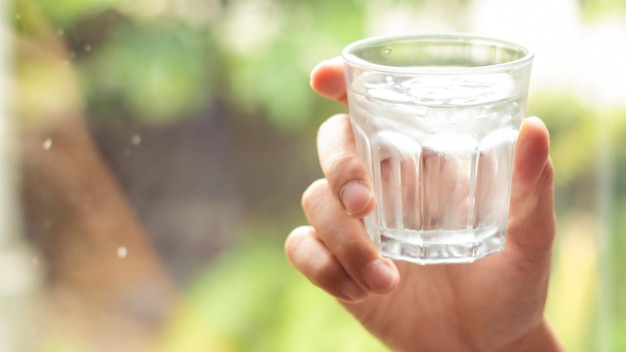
(493, 304)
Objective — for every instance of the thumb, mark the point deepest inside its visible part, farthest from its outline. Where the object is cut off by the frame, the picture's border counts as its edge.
(531, 225)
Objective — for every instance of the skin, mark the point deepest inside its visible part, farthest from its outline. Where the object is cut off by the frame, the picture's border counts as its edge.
(493, 304)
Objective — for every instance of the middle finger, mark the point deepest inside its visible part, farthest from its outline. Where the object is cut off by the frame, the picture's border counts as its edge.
(346, 238)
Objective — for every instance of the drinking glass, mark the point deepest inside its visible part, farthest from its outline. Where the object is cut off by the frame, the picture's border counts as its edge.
(435, 119)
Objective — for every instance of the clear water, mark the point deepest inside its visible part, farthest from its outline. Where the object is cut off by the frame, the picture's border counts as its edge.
(440, 153)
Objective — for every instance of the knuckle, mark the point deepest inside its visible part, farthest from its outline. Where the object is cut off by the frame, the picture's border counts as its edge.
(341, 162)
(344, 166)
(295, 242)
(354, 252)
(312, 194)
(309, 257)
(326, 272)
(332, 123)
(338, 156)
(294, 239)
(348, 248)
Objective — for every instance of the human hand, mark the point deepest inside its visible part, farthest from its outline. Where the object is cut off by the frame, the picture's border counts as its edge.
(493, 304)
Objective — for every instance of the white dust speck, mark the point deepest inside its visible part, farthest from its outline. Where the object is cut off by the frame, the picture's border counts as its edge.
(136, 139)
(122, 252)
(47, 144)
(60, 32)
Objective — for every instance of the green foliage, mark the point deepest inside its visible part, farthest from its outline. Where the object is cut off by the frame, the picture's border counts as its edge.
(597, 8)
(573, 132)
(251, 300)
(617, 228)
(272, 79)
(157, 72)
(64, 13)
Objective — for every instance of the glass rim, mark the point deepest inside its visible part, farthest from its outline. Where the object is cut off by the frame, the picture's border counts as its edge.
(354, 60)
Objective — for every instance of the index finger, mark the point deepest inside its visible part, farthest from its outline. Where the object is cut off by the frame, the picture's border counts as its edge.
(327, 80)
(346, 174)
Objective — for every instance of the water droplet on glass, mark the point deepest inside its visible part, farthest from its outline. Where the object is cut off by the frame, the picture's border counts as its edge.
(47, 144)
(122, 252)
(136, 139)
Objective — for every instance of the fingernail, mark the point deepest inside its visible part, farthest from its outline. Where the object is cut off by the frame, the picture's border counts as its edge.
(355, 197)
(352, 291)
(379, 276)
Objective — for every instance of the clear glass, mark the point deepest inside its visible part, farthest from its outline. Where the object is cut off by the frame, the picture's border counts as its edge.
(435, 119)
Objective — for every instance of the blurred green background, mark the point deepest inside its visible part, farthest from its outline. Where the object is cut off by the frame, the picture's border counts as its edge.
(202, 110)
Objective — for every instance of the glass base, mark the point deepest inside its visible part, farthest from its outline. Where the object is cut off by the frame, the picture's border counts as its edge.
(440, 247)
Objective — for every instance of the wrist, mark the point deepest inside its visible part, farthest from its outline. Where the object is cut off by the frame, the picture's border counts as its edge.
(542, 338)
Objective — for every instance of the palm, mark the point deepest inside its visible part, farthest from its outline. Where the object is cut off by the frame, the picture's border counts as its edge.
(476, 301)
